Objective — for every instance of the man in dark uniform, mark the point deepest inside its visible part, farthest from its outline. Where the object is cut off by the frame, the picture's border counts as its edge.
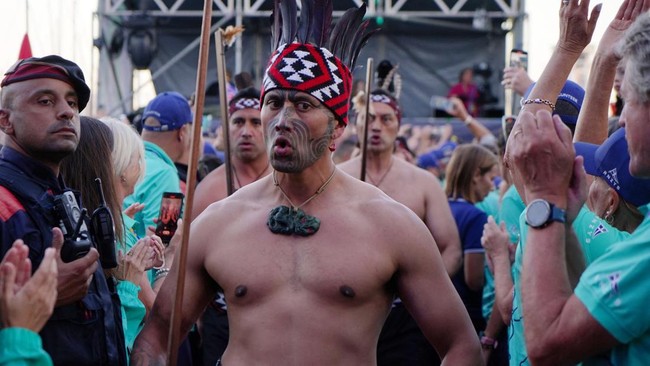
(40, 103)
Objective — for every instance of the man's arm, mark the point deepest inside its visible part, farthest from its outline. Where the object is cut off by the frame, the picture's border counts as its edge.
(151, 344)
(441, 224)
(427, 292)
(554, 317)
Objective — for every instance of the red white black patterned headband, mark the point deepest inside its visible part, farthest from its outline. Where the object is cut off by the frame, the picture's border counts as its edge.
(383, 98)
(311, 60)
(243, 103)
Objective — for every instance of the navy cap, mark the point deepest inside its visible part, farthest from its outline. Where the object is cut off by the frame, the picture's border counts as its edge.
(611, 161)
(50, 67)
(428, 160)
(568, 103)
(171, 109)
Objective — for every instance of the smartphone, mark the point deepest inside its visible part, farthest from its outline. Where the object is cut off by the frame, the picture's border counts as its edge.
(170, 211)
(442, 103)
(519, 58)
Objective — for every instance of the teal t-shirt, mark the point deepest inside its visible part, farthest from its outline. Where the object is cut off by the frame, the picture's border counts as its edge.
(160, 176)
(516, 341)
(22, 347)
(132, 309)
(511, 208)
(595, 235)
(616, 291)
(490, 205)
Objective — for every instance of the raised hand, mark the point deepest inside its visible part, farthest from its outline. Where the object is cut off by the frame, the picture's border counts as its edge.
(576, 27)
(27, 302)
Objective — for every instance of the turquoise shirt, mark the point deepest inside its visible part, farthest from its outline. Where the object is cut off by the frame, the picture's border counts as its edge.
(160, 176)
(511, 208)
(22, 347)
(616, 292)
(133, 310)
(490, 205)
(516, 341)
(595, 237)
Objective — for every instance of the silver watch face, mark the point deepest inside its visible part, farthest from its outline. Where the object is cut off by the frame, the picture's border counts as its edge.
(538, 213)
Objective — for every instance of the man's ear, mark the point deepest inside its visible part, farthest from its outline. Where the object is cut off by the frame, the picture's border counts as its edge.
(5, 125)
(338, 130)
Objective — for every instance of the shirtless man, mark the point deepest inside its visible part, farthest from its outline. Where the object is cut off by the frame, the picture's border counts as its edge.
(249, 159)
(250, 162)
(405, 183)
(311, 284)
(401, 342)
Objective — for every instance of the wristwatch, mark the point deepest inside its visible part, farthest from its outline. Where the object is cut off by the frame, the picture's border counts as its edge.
(540, 213)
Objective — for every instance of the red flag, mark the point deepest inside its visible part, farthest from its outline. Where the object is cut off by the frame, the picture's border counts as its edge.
(25, 48)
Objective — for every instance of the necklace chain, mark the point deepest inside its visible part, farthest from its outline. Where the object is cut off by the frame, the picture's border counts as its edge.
(254, 180)
(381, 179)
(318, 191)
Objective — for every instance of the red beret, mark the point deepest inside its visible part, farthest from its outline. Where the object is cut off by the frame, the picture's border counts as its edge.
(51, 67)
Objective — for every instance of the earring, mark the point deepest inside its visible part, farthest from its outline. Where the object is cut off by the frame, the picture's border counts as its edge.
(609, 218)
(332, 147)
(122, 179)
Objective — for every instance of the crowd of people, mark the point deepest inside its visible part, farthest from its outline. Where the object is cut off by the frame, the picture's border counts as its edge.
(406, 247)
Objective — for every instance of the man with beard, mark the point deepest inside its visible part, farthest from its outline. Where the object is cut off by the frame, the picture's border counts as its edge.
(401, 342)
(41, 100)
(309, 258)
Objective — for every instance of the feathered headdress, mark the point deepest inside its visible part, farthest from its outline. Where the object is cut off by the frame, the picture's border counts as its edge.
(310, 58)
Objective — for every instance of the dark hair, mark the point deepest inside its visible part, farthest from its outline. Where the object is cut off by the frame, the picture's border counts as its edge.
(92, 159)
(249, 92)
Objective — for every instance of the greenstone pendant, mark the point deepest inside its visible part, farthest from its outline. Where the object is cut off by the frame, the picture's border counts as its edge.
(287, 221)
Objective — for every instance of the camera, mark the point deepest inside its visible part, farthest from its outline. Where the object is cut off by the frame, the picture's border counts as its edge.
(77, 241)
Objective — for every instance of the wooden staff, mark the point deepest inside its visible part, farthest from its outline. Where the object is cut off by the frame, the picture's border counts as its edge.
(174, 330)
(223, 102)
(364, 150)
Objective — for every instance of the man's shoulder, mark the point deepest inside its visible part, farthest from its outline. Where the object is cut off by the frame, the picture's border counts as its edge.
(414, 174)
(351, 167)
(9, 204)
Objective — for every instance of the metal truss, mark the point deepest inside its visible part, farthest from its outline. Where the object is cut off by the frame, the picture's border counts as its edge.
(400, 9)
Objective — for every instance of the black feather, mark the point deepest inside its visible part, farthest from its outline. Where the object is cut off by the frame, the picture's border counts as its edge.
(339, 32)
(289, 12)
(362, 43)
(322, 21)
(350, 32)
(306, 19)
(276, 25)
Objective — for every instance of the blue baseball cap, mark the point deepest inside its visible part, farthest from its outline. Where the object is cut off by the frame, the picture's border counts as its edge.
(568, 103)
(611, 161)
(445, 151)
(428, 160)
(171, 109)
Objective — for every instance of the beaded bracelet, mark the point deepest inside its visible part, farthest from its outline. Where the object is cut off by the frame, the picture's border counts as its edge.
(160, 273)
(468, 120)
(538, 101)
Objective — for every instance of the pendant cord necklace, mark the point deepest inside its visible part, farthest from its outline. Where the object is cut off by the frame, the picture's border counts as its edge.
(318, 191)
(381, 179)
(254, 180)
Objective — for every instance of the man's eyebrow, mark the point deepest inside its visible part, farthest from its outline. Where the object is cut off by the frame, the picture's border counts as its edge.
(295, 97)
(46, 91)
